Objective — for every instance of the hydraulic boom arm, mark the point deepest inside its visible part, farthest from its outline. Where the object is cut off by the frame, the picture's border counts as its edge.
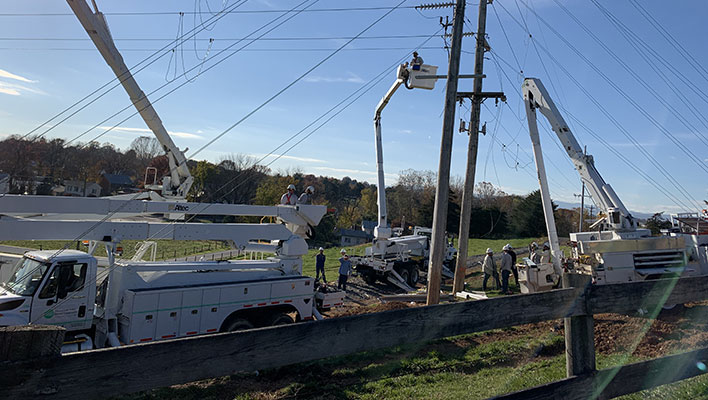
(617, 217)
(94, 23)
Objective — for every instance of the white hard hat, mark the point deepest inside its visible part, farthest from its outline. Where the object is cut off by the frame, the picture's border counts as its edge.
(321, 249)
(343, 251)
(534, 244)
(489, 251)
(506, 247)
(310, 189)
(291, 186)
(546, 244)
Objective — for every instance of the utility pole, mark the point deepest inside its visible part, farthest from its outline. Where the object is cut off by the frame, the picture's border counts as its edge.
(468, 191)
(439, 245)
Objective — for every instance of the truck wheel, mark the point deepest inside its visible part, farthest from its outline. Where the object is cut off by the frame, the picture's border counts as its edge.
(405, 274)
(237, 324)
(414, 275)
(279, 319)
(369, 278)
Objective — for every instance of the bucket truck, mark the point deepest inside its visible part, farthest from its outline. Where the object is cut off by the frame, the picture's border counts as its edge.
(137, 301)
(397, 259)
(179, 181)
(616, 250)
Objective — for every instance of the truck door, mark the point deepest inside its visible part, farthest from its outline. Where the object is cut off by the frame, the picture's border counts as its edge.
(63, 299)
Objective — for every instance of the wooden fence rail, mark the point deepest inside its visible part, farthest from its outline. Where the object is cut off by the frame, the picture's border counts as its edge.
(98, 373)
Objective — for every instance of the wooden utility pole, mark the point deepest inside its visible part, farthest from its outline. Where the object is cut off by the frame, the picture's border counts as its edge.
(439, 245)
(468, 191)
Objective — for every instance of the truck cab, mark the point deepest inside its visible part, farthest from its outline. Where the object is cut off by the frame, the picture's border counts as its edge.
(52, 288)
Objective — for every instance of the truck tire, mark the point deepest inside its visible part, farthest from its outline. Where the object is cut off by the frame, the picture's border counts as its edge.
(405, 274)
(369, 278)
(237, 324)
(279, 319)
(414, 275)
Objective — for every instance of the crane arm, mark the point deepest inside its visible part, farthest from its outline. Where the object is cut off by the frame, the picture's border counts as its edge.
(536, 97)
(382, 229)
(94, 23)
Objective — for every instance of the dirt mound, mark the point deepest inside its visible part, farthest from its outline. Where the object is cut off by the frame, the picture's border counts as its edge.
(372, 308)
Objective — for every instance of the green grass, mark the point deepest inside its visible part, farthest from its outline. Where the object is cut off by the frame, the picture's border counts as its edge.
(165, 248)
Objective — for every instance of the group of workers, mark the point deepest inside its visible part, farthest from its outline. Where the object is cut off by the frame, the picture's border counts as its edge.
(508, 265)
(345, 268)
(291, 199)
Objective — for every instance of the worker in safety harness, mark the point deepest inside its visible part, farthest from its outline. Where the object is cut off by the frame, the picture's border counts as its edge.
(534, 254)
(289, 197)
(490, 270)
(320, 259)
(306, 197)
(506, 265)
(546, 253)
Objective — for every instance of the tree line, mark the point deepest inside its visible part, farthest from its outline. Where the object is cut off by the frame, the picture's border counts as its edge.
(239, 179)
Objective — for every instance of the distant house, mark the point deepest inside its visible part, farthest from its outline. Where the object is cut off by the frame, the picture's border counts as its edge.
(4, 183)
(78, 188)
(368, 227)
(352, 237)
(114, 183)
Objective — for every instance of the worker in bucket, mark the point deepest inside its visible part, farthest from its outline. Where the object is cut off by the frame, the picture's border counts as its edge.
(534, 253)
(345, 268)
(306, 196)
(289, 198)
(319, 266)
(506, 265)
(546, 253)
(514, 270)
(490, 270)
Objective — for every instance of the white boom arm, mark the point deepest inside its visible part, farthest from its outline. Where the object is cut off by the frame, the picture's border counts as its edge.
(617, 217)
(383, 230)
(94, 23)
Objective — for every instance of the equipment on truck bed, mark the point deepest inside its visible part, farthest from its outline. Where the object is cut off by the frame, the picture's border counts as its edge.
(617, 251)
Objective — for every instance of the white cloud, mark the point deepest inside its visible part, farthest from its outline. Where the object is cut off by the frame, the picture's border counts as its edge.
(406, 131)
(185, 135)
(10, 75)
(14, 89)
(351, 78)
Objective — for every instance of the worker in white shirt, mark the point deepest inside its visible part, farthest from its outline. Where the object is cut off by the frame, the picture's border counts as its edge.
(306, 196)
(289, 198)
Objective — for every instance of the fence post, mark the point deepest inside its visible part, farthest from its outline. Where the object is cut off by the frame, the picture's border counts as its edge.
(579, 336)
(26, 342)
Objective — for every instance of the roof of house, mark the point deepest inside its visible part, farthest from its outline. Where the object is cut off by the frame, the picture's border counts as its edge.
(117, 179)
(368, 224)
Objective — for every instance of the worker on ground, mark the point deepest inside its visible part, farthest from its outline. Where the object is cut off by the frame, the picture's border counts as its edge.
(345, 268)
(490, 270)
(534, 253)
(546, 253)
(505, 267)
(289, 198)
(514, 270)
(306, 196)
(319, 266)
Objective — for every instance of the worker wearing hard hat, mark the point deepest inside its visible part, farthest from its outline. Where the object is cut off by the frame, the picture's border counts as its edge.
(546, 253)
(289, 197)
(306, 196)
(319, 265)
(505, 267)
(490, 270)
(534, 253)
(514, 271)
(345, 268)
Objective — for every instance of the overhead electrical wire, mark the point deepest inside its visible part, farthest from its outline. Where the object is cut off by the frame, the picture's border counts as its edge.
(626, 133)
(148, 13)
(118, 78)
(691, 155)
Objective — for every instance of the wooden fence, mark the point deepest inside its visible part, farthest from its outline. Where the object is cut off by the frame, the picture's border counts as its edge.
(110, 372)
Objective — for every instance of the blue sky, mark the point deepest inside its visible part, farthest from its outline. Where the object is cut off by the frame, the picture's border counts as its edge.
(658, 99)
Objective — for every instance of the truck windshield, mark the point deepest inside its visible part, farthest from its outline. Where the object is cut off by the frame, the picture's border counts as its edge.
(27, 277)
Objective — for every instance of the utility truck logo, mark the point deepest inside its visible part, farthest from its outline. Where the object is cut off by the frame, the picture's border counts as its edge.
(178, 207)
(49, 314)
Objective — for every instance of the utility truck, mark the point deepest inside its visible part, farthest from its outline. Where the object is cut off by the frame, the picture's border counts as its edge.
(397, 260)
(137, 301)
(616, 250)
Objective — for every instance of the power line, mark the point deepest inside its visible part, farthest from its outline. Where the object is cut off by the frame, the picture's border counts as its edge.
(271, 39)
(283, 49)
(148, 13)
